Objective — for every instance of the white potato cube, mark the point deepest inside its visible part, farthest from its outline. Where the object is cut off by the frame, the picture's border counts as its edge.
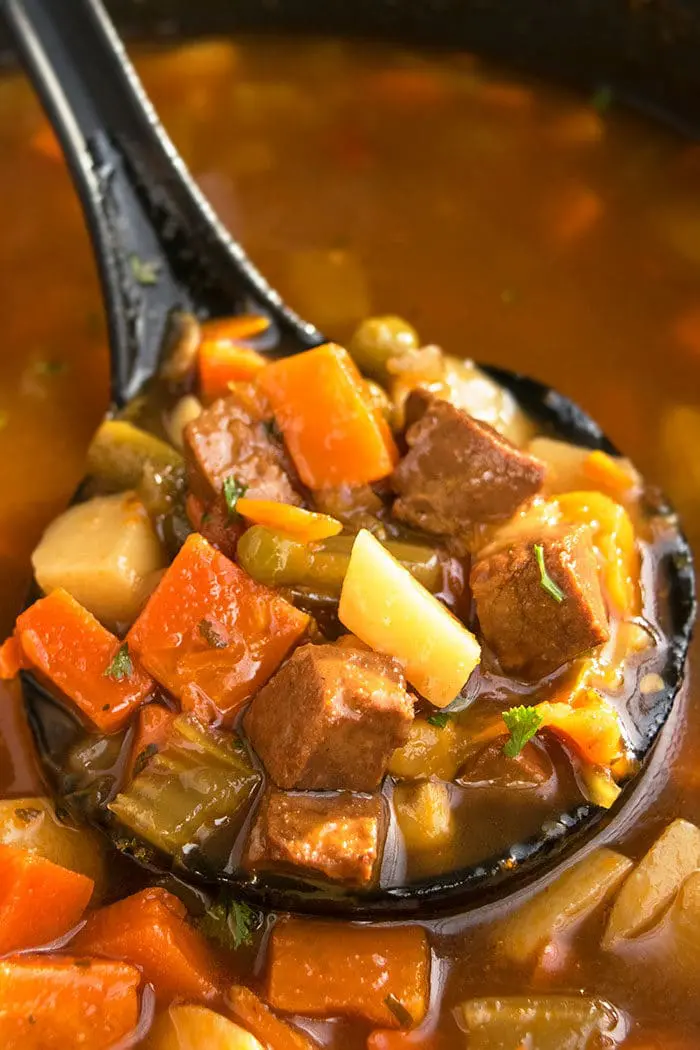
(102, 552)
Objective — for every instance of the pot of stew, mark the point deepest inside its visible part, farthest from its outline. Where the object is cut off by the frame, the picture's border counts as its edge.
(326, 630)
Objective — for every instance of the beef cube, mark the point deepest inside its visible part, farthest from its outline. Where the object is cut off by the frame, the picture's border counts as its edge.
(336, 836)
(459, 472)
(488, 766)
(532, 632)
(230, 439)
(330, 719)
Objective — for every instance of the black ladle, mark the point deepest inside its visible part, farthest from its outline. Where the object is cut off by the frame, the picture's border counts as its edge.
(143, 207)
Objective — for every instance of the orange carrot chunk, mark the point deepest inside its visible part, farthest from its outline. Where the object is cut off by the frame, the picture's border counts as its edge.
(380, 974)
(39, 901)
(83, 659)
(58, 1002)
(254, 1015)
(152, 728)
(333, 432)
(12, 659)
(613, 476)
(591, 727)
(150, 930)
(210, 634)
(303, 525)
(223, 356)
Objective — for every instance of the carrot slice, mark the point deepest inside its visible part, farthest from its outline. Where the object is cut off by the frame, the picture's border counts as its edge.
(250, 1011)
(303, 525)
(152, 728)
(83, 659)
(12, 659)
(150, 930)
(56, 1002)
(592, 727)
(321, 969)
(212, 635)
(223, 358)
(39, 901)
(614, 477)
(333, 432)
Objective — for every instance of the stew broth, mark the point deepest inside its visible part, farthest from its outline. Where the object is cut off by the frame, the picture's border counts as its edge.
(510, 222)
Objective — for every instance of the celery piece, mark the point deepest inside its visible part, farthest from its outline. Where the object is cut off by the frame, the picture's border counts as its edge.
(278, 561)
(546, 1022)
(119, 452)
(200, 779)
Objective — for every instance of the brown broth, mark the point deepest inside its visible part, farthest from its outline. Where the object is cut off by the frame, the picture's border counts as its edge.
(508, 221)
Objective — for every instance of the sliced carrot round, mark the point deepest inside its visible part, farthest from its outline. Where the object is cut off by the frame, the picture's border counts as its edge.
(306, 526)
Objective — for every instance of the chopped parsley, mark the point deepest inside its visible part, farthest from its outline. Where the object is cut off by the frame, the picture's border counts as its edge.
(230, 923)
(121, 666)
(233, 490)
(522, 723)
(144, 757)
(546, 582)
(439, 719)
(144, 271)
(211, 633)
(402, 1015)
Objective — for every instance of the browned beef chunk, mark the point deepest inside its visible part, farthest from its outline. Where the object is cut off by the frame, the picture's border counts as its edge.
(489, 766)
(336, 836)
(529, 630)
(459, 472)
(229, 438)
(330, 718)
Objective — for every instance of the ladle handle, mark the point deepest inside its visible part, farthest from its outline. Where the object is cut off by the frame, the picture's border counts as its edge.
(159, 244)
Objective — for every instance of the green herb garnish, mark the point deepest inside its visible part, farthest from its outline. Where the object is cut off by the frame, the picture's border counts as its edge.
(121, 666)
(144, 757)
(546, 582)
(230, 923)
(233, 490)
(439, 719)
(399, 1011)
(522, 723)
(211, 634)
(144, 271)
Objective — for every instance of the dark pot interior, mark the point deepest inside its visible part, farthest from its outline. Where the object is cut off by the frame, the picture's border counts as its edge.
(648, 51)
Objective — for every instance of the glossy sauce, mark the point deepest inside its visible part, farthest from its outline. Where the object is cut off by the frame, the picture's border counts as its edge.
(508, 221)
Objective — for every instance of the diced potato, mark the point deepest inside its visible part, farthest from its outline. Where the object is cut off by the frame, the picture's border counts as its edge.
(654, 883)
(103, 553)
(195, 1027)
(430, 751)
(424, 814)
(564, 464)
(598, 785)
(187, 409)
(31, 824)
(548, 1022)
(682, 931)
(572, 897)
(388, 609)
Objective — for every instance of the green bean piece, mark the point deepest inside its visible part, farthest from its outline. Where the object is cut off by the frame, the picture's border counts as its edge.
(199, 779)
(274, 559)
(119, 453)
(377, 339)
